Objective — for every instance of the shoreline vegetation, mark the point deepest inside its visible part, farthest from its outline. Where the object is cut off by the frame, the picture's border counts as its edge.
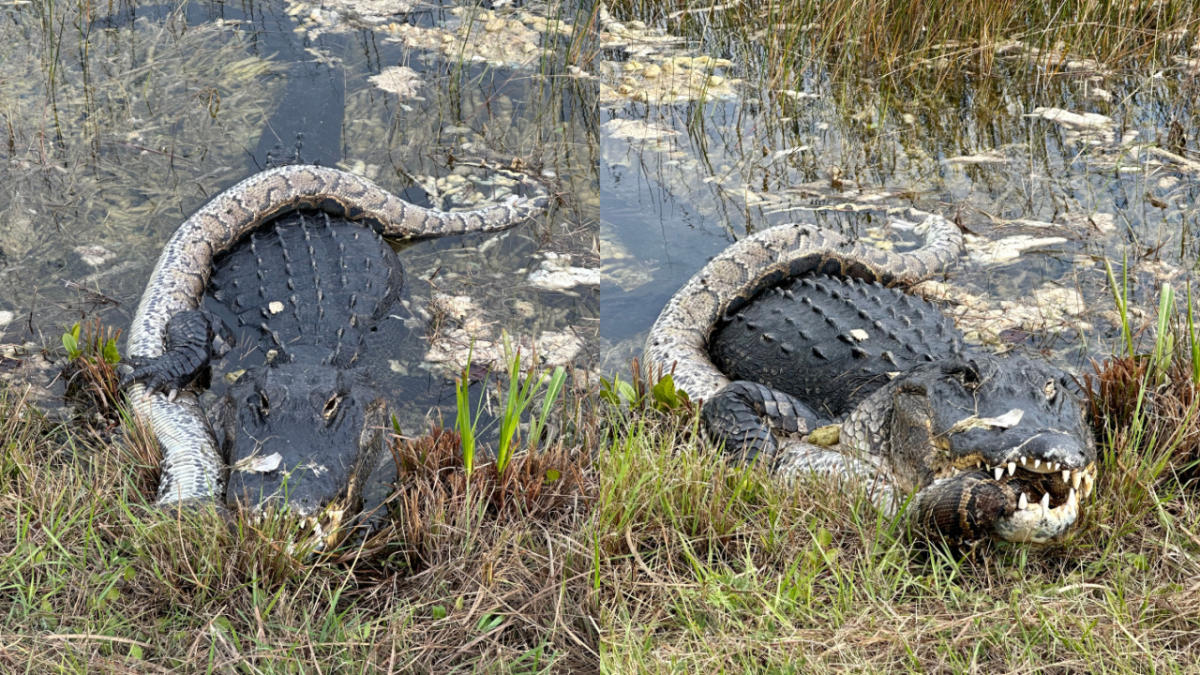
(623, 543)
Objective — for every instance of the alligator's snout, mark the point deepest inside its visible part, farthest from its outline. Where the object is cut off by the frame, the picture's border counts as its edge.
(1005, 430)
(301, 437)
(1053, 447)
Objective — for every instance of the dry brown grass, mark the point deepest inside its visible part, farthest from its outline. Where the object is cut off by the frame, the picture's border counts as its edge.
(644, 555)
(495, 557)
(891, 42)
(636, 550)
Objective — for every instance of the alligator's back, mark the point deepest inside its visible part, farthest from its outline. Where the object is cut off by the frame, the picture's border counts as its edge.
(830, 341)
(309, 280)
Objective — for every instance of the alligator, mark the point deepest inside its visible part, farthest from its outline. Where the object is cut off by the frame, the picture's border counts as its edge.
(286, 252)
(795, 328)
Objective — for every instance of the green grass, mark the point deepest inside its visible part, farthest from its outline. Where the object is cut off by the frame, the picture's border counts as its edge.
(632, 549)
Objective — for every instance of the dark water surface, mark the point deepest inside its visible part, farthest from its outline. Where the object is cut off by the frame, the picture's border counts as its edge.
(120, 126)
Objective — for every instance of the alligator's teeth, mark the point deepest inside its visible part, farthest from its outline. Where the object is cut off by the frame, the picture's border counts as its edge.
(1076, 476)
(1054, 466)
(1046, 500)
(1066, 474)
(1037, 462)
(1022, 460)
(1012, 468)
(1071, 496)
(1022, 502)
(998, 471)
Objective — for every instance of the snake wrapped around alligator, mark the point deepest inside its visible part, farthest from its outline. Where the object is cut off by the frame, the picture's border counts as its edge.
(171, 340)
(796, 327)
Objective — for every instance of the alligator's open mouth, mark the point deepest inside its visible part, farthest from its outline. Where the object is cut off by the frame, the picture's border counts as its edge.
(1047, 495)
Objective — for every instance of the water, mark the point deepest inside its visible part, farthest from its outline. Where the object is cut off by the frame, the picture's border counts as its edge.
(120, 126)
(1049, 172)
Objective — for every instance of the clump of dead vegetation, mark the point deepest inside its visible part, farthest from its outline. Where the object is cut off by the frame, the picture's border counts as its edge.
(493, 558)
(92, 382)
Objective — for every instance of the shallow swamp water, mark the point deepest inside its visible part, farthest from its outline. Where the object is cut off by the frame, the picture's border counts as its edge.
(663, 144)
(1050, 163)
(119, 125)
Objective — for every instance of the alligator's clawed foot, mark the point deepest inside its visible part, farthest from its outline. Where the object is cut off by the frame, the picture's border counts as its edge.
(744, 414)
(194, 338)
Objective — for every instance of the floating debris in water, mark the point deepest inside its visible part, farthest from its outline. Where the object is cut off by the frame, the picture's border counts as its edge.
(558, 348)
(1087, 128)
(501, 37)
(1083, 224)
(556, 273)
(342, 16)
(1055, 59)
(637, 130)
(399, 80)
(451, 345)
(1006, 250)
(989, 157)
(94, 255)
(982, 319)
(657, 69)
(512, 39)
(665, 79)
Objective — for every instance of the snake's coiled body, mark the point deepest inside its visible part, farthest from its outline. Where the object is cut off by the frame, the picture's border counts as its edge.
(679, 338)
(192, 466)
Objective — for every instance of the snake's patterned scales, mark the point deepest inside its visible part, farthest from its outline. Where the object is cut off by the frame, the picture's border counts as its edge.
(679, 338)
(192, 468)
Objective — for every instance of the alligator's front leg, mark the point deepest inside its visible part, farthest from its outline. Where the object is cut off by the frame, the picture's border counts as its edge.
(745, 414)
(194, 338)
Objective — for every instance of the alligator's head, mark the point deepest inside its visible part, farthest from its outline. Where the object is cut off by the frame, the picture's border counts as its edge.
(302, 437)
(996, 445)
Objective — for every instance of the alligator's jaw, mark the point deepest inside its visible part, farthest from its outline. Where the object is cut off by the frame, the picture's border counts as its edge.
(1047, 495)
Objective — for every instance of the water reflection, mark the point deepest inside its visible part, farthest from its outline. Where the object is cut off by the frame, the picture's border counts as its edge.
(120, 126)
(1049, 173)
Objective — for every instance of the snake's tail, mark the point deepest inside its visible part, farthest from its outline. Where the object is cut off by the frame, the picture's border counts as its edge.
(192, 468)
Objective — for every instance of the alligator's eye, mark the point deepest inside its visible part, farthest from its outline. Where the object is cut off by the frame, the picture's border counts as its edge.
(264, 404)
(331, 407)
(967, 375)
(1050, 390)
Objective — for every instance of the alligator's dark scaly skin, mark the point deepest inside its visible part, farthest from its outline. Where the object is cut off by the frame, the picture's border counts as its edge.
(831, 341)
(305, 424)
(305, 290)
(310, 281)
